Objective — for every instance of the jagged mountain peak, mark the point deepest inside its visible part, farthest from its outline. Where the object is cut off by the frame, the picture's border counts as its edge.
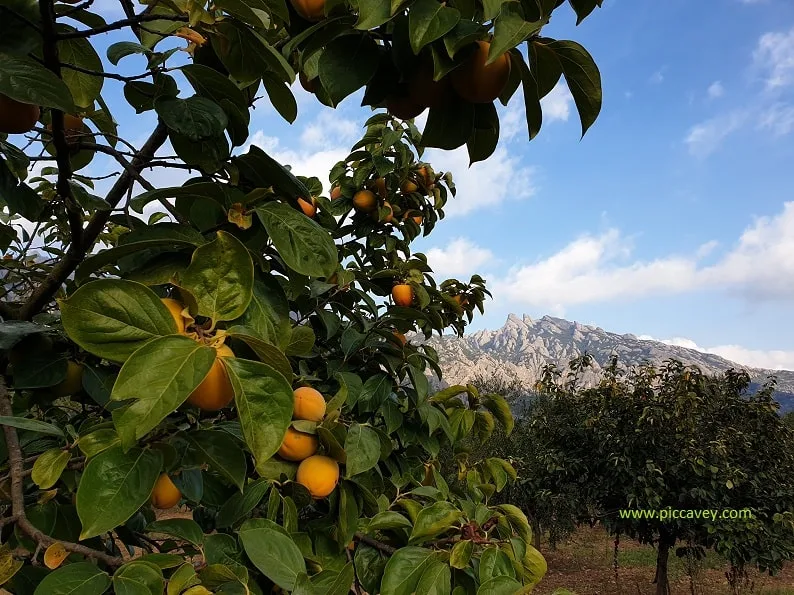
(523, 346)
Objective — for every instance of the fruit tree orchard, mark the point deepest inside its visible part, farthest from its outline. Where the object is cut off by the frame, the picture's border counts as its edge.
(243, 352)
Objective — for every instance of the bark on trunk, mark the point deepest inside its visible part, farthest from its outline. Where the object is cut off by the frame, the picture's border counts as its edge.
(662, 556)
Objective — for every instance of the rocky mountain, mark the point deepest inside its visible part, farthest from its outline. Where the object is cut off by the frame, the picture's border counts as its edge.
(523, 346)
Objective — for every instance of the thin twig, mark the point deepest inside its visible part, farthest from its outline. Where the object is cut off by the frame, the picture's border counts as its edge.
(120, 25)
(18, 496)
(113, 75)
(378, 545)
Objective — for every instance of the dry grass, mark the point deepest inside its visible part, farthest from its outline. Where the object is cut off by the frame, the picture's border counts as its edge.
(584, 565)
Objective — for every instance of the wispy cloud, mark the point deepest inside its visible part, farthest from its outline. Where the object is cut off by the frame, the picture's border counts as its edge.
(460, 258)
(716, 90)
(774, 57)
(769, 359)
(705, 138)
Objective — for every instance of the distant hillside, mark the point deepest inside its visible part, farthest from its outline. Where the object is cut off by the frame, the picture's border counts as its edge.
(522, 347)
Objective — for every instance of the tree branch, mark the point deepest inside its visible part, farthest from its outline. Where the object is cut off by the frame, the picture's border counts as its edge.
(113, 75)
(53, 63)
(18, 496)
(378, 545)
(137, 20)
(49, 287)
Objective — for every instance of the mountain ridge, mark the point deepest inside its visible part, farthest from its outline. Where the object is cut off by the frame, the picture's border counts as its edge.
(523, 345)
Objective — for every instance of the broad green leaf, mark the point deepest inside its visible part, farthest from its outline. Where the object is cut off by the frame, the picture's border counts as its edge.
(13, 331)
(301, 341)
(337, 77)
(434, 520)
(184, 529)
(168, 369)
(461, 554)
(85, 88)
(342, 582)
(510, 30)
(183, 578)
(435, 580)
(221, 548)
(221, 277)
(529, 84)
(195, 117)
(264, 405)
(262, 170)
(48, 467)
(485, 136)
(268, 312)
(209, 83)
(388, 519)
(138, 578)
(32, 425)
(221, 452)
(369, 567)
(404, 569)
(449, 127)
(534, 566)
(273, 553)
(39, 370)
(362, 446)
(372, 13)
(95, 442)
(347, 518)
(494, 562)
(267, 353)
(500, 409)
(28, 81)
(583, 8)
(121, 49)
(241, 503)
(114, 485)
(281, 97)
(112, 318)
(429, 20)
(500, 585)
(517, 520)
(79, 578)
(304, 245)
(583, 78)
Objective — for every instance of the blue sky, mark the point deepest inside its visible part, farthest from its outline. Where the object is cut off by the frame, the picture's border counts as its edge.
(673, 217)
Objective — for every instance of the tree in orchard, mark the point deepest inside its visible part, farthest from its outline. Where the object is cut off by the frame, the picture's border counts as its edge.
(674, 438)
(243, 351)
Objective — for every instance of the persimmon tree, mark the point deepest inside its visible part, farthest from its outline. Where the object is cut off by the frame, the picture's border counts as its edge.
(241, 350)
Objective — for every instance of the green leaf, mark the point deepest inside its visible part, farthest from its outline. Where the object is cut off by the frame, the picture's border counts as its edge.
(114, 485)
(460, 557)
(336, 75)
(494, 562)
(404, 569)
(262, 171)
(428, 20)
(583, 78)
(534, 566)
(79, 578)
(372, 13)
(267, 353)
(434, 520)
(138, 578)
(32, 425)
(281, 97)
(510, 30)
(241, 503)
(48, 467)
(95, 442)
(13, 331)
(268, 312)
(184, 529)
(583, 8)
(517, 520)
(362, 446)
(246, 55)
(388, 519)
(182, 578)
(121, 49)
(112, 318)
(9, 565)
(264, 405)
(170, 368)
(500, 585)
(435, 580)
(220, 548)
(304, 245)
(195, 117)
(497, 405)
(211, 84)
(221, 452)
(221, 277)
(85, 88)
(449, 127)
(301, 341)
(27, 81)
(273, 553)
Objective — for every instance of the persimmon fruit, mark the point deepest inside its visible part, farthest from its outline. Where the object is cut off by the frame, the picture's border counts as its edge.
(309, 207)
(477, 82)
(73, 383)
(403, 108)
(311, 10)
(165, 494)
(215, 391)
(17, 117)
(309, 404)
(319, 475)
(175, 307)
(298, 446)
(365, 201)
(403, 295)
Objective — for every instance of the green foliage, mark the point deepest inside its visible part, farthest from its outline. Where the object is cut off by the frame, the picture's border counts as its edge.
(101, 403)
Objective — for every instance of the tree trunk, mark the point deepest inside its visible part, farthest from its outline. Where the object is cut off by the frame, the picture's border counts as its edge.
(535, 536)
(666, 541)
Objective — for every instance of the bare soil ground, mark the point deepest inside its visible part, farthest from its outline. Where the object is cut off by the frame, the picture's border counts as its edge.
(584, 565)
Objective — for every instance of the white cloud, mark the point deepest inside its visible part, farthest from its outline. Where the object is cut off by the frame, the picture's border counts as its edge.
(778, 118)
(657, 78)
(460, 259)
(772, 359)
(716, 90)
(330, 129)
(705, 138)
(483, 184)
(557, 104)
(774, 55)
(600, 268)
